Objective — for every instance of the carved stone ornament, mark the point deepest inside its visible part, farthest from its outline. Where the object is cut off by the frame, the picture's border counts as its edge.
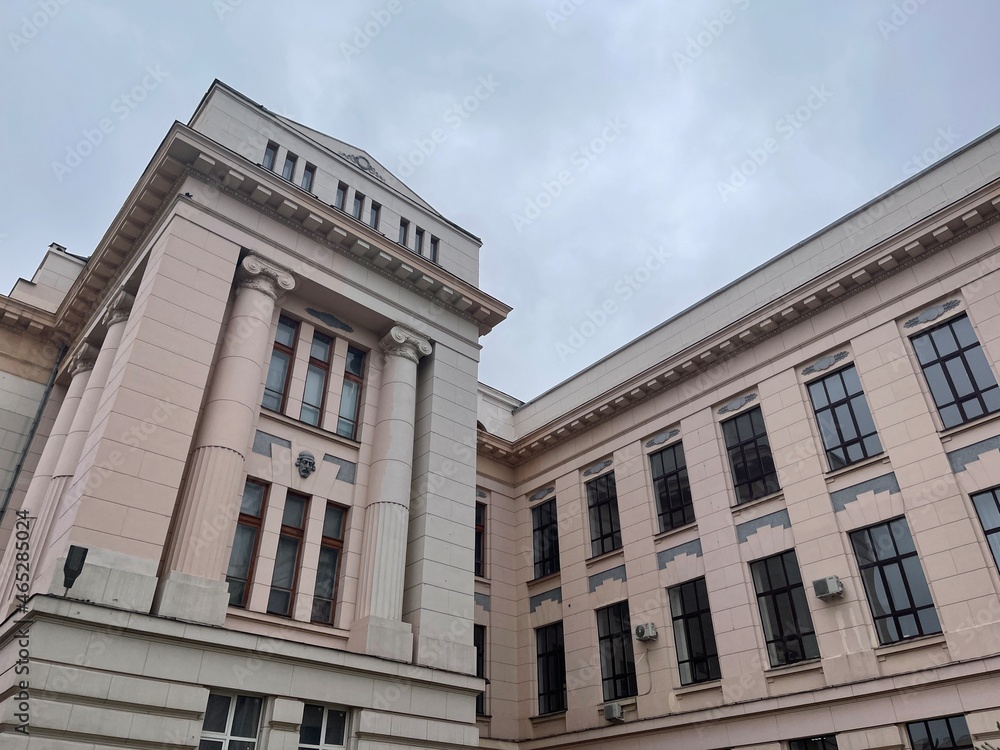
(662, 438)
(83, 360)
(480, 493)
(403, 342)
(305, 463)
(264, 276)
(362, 163)
(825, 363)
(541, 493)
(931, 313)
(599, 466)
(329, 319)
(119, 308)
(737, 403)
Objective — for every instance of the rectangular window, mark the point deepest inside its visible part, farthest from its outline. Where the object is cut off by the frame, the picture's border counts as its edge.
(480, 562)
(433, 255)
(359, 205)
(551, 663)
(670, 483)
(694, 636)
(750, 456)
(308, 177)
(331, 551)
(270, 155)
(950, 732)
(784, 613)
(314, 395)
(341, 196)
(418, 241)
(350, 396)
(276, 385)
(404, 232)
(844, 419)
(957, 372)
(897, 591)
(545, 538)
(231, 722)
(602, 503)
(287, 558)
(322, 728)
(374, 213)
(827, 742)
(289, 169)
(244, 552)
(479, 641)
(614, 638)
(988, 508)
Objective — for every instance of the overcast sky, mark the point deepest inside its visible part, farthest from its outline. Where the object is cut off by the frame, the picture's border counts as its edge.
(601, 149)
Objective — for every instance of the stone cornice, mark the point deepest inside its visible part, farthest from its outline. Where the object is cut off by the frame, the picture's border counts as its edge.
(922, 239)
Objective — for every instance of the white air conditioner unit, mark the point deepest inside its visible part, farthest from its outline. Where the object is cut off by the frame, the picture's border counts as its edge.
(614, 712)
(645, 632)
(828, 588)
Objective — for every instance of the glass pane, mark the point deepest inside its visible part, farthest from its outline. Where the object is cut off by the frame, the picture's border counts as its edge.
(835, 388)
(320, 348)
(862, 547)
(279, 602)
(897, 590)
(908, 626)
(210, 745)
(315, 386)
(284, 563)
(924, 349)
(757, 420)
(851, 380)
(253, 499)
(972, 408)
(791, 567)
(963, 330)
(326, 573)
(980, 368)
(901, 536)
(854, 452)
(818, 394)
(246, 719)
(845, 422)
(336, 723)
(277, 371)
(242, 745)
(294, 513)
(960, 730)
(877, 597)
(828, 429)
(863, 415)
(776, 571)
(959, 377)
(988, 510)
(918, 584)
(309, 415)
(758, 570)
(918, 736)
(355, 361)
(271, 401)
(216, 713)
(872, 445)
(242, 554)
(929, 622)
(333, 522)
(237, 591)
(286, 332)
(944, 341)
(951, 416)
(729, 431)
(349, 399)
(882, 541)
(312, 724)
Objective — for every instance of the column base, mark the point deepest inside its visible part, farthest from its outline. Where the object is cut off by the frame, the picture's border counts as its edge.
(110, 578)
(387, 639)
(192, 598)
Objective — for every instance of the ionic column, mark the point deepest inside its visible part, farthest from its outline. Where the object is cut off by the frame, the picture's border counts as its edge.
(80, 368)
(59, 493)
(194, 588)
(380, 630)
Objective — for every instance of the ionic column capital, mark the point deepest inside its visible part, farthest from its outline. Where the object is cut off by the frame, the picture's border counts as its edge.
(118, 309)
(262, 275)
(83, 360)
(405, 342)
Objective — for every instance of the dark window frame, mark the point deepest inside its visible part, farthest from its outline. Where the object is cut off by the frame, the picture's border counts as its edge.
(324, 368)
(289, 351)
(358, 207)
(309, 177)
(987, 505)
(785, 596)
(755, 480)
(374, 214)
(299, 534)
(288, 170)
(341, 199)
(479, 643)
(435, 246)
(955, 726)
(618, 675)
(672, 489)
(418, 241)
(824, 742)
(605, 527)
(270, 155)
(550, 668)
(839, 402)
(927, 349)
(480, 542)
(404, 233)
(256, 523)
(359, 380)
(335, 543)
(694, 631)
(882, 560)
(545, 538)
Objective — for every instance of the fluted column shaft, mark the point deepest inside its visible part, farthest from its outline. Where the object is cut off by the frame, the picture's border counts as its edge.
(209, 505)
(80, 367)
(388, 511)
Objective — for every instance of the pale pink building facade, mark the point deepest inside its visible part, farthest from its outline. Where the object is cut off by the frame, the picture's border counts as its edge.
(772, 522)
